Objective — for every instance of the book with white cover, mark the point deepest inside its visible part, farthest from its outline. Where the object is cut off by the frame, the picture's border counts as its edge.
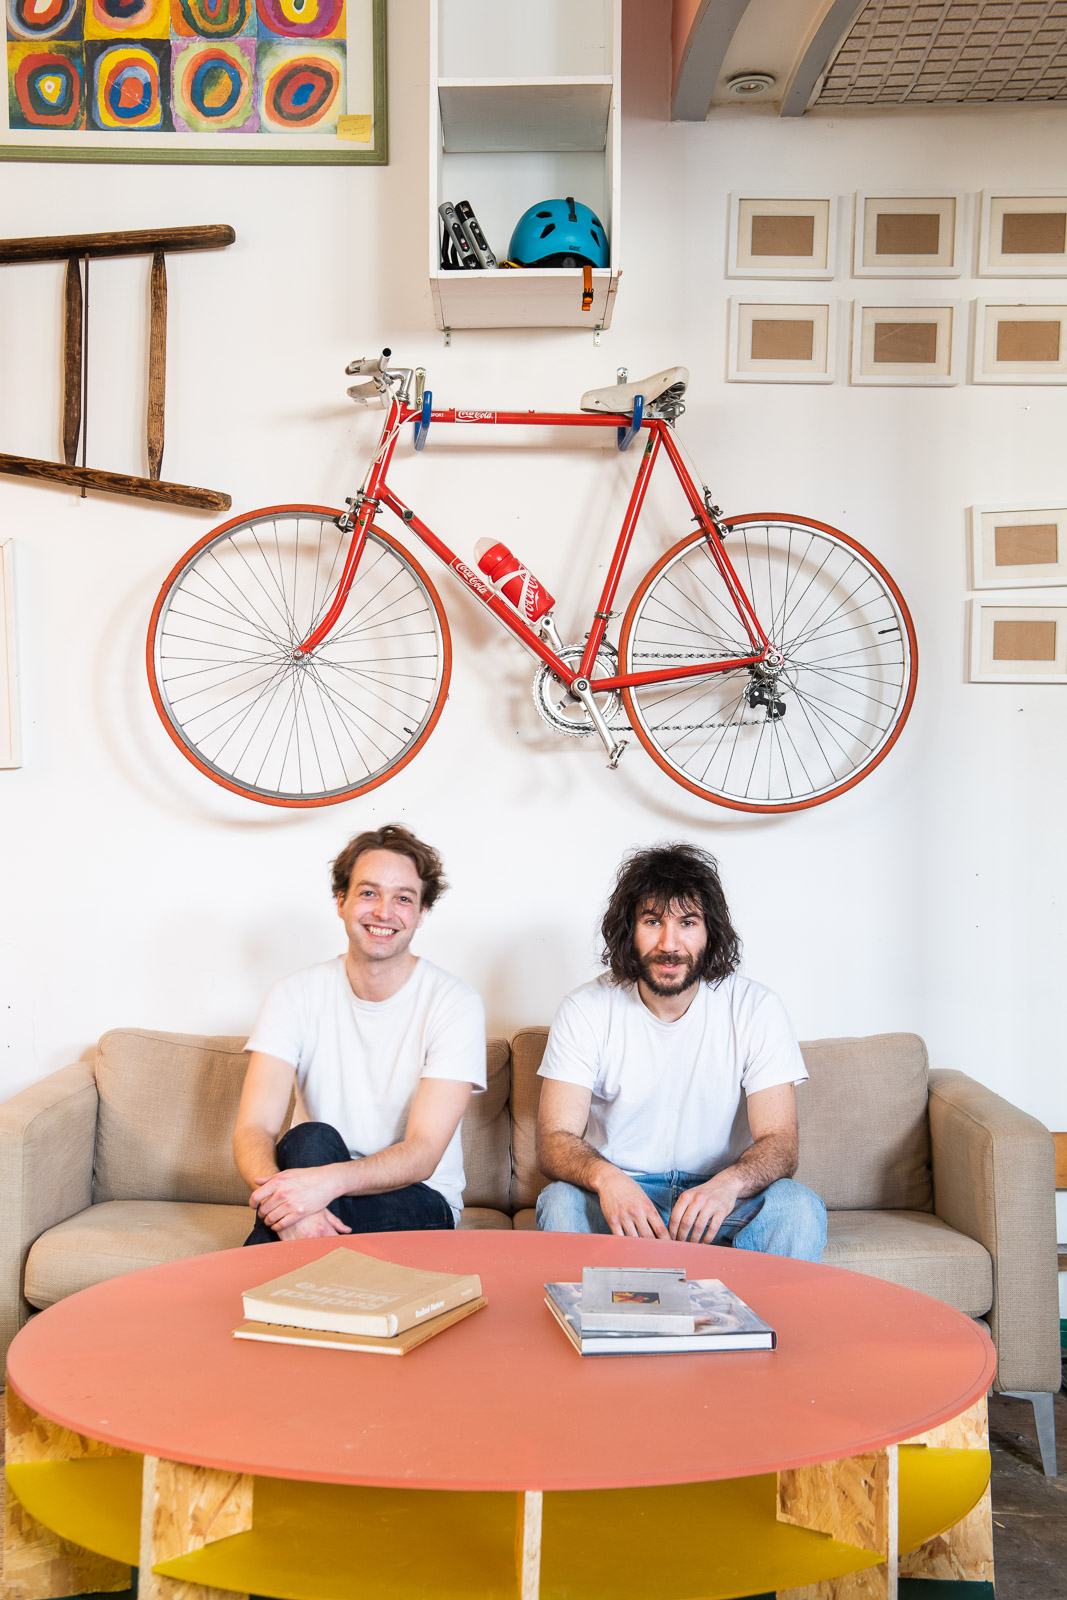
(398, 1345)
(722, 1322)
(348, 1292)
(635, 1300)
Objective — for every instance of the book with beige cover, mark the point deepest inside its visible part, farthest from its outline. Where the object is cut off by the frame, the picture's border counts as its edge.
(347, 1292)
(398, 1345)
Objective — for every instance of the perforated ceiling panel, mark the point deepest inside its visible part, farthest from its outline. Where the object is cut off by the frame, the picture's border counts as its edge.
(950, 51)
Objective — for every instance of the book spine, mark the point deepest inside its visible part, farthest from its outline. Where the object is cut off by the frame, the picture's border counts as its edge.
(422, 1308)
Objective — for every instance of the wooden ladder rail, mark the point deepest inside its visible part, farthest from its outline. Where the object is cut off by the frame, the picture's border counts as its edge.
(75, 249)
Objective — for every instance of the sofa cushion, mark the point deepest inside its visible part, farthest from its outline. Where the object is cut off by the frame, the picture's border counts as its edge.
(916, 1250)
(487, 1134)
(864, 1127)
(168, 1103)
(527, 1048)
(484, 1217)
(121, 1236)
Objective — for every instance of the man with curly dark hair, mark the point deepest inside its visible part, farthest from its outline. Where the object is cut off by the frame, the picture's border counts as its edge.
(382, 1049)
(668, 1105)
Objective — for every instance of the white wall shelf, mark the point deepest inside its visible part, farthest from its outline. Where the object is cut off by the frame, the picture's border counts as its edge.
(509, 114)
(528, 111)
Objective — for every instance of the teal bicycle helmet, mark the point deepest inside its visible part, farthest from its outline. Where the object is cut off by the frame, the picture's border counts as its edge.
(559, 233)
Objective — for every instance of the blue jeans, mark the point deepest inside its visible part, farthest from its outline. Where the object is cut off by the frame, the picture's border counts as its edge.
(317, 1144)
(787, 1219)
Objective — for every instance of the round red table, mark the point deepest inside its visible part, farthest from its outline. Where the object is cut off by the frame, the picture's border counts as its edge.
(147, 1364)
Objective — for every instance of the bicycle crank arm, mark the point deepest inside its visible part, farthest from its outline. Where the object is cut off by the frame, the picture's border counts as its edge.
(581, 691)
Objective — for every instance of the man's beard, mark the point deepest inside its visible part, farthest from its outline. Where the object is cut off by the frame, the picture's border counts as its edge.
(678, 983)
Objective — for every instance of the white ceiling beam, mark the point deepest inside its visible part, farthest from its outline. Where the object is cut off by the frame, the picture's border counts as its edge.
(710, 32)
(832, 26)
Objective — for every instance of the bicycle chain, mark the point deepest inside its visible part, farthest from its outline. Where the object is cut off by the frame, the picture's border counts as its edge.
(623, 726)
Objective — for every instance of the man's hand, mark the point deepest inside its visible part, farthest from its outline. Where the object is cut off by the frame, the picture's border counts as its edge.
(627, 1209)
(699, 1213)
(296, 1194)
(320, 1225)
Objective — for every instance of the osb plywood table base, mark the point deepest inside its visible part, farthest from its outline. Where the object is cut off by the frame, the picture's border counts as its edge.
(448, 1474)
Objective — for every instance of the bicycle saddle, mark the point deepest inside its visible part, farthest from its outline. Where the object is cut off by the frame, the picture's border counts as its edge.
(619, 397)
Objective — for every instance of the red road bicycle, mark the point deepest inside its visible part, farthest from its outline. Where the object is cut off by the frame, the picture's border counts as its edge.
(300, 656)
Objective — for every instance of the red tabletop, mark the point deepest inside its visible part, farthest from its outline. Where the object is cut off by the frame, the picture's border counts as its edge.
(501, 1400)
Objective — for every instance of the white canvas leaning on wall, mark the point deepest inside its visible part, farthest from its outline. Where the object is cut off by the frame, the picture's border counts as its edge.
(10, 742)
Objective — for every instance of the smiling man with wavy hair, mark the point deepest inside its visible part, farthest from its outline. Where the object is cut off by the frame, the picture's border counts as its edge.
(668, 1106)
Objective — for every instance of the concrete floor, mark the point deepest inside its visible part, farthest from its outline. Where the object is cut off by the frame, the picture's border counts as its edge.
(1029, 1510)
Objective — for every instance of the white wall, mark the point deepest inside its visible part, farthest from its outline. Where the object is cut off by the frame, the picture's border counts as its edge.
(134, 891)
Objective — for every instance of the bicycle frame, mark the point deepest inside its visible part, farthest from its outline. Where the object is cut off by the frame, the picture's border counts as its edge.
(377, 493)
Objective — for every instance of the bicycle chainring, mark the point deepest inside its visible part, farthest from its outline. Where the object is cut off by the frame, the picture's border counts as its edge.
(559, 708)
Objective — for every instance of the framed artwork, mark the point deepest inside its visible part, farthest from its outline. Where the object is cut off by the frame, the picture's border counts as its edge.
(1018, 547)
(905, 344)
(10, 751)
(257, 81)
(1018, 644)
(770, 342)
(907, 236)
(1023, 236)
(1019, 343)
(781, 238)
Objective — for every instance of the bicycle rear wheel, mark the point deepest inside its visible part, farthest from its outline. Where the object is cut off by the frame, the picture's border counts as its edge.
(315, 730)
(819, 725)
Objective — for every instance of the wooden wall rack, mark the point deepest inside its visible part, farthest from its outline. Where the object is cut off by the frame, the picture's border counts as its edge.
(77, 250)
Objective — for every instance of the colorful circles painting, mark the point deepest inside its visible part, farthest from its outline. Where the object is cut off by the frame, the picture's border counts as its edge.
(44, 19)
(127, 19)
(129, 87)
(300, 87)
(214, 87)
(301, 19)
(46, 87)
(261, 79)
(212, 19)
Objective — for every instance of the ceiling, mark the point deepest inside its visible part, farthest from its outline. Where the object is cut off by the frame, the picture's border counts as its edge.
(875, 52)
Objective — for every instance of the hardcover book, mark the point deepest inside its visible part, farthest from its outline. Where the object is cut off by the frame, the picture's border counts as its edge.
(722, 1322)
(347, 1292)
(398, 1345)
(635, 1300)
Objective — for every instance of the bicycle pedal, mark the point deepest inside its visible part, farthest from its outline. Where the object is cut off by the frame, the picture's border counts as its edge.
(615, 755)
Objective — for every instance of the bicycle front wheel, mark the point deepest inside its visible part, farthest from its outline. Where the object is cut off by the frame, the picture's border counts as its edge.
(314, 730)
(795, 737)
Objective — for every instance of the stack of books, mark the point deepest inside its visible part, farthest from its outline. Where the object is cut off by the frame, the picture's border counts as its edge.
(641, 1310)
(349, 1301)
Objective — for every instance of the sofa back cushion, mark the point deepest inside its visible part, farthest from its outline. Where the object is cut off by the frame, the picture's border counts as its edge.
(864, 1131)
(168, 1103)
(527, 1048)
(864, 1126)
(487, 1134)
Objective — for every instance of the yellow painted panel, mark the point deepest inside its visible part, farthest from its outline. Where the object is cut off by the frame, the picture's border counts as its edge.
(95, 1503)
(937, 1488)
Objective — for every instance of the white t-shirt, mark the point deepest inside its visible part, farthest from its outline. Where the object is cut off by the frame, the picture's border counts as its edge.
(667, 1096)
(359, 1062)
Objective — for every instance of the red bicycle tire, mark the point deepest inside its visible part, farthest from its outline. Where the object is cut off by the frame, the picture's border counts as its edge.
(189, 751)
(901, 717)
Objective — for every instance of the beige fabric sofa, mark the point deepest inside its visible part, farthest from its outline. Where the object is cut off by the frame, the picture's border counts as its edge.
(930, 1180)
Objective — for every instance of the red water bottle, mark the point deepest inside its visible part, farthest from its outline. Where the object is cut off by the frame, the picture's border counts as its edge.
(513, 580)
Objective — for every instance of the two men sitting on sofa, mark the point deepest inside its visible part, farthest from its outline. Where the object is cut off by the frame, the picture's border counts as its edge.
(385, 1049)
(667, 1107)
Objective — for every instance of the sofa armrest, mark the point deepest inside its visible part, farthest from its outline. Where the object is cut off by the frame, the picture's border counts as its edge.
(993, 1170)
(47, 1137)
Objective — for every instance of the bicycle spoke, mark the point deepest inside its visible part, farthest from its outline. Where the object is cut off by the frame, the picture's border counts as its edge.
(308, 728)
(795, 729)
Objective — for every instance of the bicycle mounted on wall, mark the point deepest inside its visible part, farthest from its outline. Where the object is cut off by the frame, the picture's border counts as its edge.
(301, 656)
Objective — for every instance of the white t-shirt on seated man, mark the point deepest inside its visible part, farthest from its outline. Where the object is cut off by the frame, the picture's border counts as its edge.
(384, 1049)
(668, 1106)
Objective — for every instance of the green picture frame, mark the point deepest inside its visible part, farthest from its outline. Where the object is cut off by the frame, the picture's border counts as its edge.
(256, 86)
